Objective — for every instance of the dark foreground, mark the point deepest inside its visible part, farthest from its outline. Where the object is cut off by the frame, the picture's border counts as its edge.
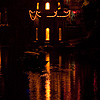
(67, 76)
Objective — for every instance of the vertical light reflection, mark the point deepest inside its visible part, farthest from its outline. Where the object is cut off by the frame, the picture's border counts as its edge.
(47, 82)
(47, 34)
(79, 89)
(38, 89)
(55, 85)
(73, 67)
(75, 94)
(60, 61)
(47, 87)
(74, 71)
(74, 77)
(95, 85)
(34, 86)
(0, 59)
(59, 86)
(67, 86)
(48, 64)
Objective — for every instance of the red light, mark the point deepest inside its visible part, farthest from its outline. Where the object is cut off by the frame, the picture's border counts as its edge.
(74, 12)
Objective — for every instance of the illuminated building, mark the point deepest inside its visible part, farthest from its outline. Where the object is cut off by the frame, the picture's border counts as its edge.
(56, 21)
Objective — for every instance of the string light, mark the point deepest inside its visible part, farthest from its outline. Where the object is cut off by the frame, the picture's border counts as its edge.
(36, 14)
(74, 12)
(31, 16)
(63, 16)
(55, 14)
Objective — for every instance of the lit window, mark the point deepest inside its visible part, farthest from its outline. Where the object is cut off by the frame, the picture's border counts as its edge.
(36, 33)
(47, 6)
(0, 17)
(60, 34)
(47, 38)
(59, 6)
(37, 5)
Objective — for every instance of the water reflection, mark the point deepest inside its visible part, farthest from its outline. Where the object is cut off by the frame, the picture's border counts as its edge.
(48, 64)
(34, 85)
(47, 81)
(58, 82)
(47, 88)
(64, 79)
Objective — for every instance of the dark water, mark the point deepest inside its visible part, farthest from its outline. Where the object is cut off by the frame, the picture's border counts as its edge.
(68, 76)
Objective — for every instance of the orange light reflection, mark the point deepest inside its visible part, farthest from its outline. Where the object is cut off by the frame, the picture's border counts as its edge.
(47, 87)
(74, 73)
(34, 86)
(67, 85)
(48, 64)
(47, 82)
(59, 86)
